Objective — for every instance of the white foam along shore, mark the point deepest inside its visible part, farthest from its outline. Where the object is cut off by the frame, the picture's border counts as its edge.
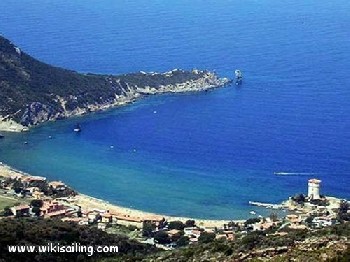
(89, 203)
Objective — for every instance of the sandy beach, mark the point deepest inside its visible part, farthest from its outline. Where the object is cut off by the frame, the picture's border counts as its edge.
(11, 126)
(88, 203)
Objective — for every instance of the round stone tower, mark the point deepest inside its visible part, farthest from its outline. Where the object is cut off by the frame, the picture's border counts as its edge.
(314, 189)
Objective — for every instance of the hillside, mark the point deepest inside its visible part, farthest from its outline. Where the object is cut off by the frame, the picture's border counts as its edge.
(43, 232)
(32, 92)
(327, 244)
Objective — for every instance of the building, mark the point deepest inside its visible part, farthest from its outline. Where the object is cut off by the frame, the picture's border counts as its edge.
(20, 211)
(319, 222)
(57, 185)
(314, 189)
(93, 216)
(101, 226)
(127, 220)
(188, 230)
(227, 235)
(106, 217)
(33, 179)
(52, 209)
(38, 195)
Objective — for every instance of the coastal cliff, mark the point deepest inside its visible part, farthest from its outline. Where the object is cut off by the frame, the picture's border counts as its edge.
(32, 92)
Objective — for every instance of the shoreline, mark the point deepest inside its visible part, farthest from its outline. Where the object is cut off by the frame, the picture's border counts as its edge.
(9, 125)
(208, 81)
(89, 203)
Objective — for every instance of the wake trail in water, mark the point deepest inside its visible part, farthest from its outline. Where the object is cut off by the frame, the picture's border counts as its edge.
(295, 173)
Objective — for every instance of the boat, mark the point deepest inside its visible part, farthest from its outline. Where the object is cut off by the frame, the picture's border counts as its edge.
(252, 212)
(238, 77)
(77, 128)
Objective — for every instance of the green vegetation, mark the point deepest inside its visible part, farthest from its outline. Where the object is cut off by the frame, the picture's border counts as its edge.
(29, 86)
(299, 198)
(42, 232)
(131, 232)
(147, 229)
(190, 223)
(7, 202)
(289, 245)
(36, 204)
(343, 214)
(162, 237)
(182, 241)
(176, 225)
(206, 237)
(301, 245)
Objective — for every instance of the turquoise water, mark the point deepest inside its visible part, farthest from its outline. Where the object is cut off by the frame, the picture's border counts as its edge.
(203, 154)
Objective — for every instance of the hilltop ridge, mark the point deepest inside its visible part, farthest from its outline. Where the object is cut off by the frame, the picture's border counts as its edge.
(32, 92)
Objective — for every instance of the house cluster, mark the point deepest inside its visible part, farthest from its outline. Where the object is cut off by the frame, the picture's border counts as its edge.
(105, 218)
(193, 233)
(260, 224)
(36, 187)
(176, 233)
(312, 211)
(49, 209)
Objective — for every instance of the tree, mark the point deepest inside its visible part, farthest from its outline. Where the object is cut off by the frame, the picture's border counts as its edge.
(273, 217)
(32, 231)
(233, 225)
(206, 237)
(79, 213)
(343, 211)
(36, 210)
(251, 221)
(299, 198)
(183, 241)
(162, 223)
(7, 212)
(252, 240)
(190, 223)
(147, 229)
(36, 203)
(343, 207)
(309, 220)
(162, 237)
(176, 225)
(17, 186)
(176, 237)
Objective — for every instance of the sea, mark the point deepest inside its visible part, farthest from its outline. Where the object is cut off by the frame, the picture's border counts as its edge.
(201, 155)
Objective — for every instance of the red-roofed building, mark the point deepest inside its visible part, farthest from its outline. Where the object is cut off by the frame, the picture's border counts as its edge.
(52, 208)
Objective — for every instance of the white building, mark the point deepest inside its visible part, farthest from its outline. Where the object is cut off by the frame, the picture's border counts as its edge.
(314, 189)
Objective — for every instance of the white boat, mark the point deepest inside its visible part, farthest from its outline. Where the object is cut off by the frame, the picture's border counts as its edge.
(77, 128)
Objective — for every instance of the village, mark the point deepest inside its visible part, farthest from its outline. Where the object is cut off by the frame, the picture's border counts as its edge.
(36, 197)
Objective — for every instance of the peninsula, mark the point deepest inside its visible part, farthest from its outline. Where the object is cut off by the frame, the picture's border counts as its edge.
(32, 92)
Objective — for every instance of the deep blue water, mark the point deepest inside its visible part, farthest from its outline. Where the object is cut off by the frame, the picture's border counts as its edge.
(204, 154)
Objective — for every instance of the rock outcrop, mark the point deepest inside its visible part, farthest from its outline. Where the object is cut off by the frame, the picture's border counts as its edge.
(32, 92)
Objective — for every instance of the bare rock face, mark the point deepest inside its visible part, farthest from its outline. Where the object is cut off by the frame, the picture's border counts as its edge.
(38, 113)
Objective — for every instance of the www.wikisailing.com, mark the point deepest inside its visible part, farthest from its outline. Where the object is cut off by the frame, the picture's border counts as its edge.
(57, 248)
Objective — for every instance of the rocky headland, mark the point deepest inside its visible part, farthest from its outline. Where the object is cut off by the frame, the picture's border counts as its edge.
(32, 92)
